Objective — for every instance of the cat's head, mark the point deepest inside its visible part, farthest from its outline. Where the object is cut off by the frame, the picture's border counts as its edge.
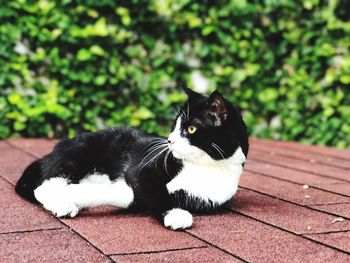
(207, 128)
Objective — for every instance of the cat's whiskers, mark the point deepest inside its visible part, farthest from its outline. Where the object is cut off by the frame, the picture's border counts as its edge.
(219, 150)
(153, 147)
(155, 141)
(166, 161)
(154, 158)
(181, 113)
(160, 154)
(223, 152)
(156, 147)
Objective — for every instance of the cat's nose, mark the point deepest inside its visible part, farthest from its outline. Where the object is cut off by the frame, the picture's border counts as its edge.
(171, 142)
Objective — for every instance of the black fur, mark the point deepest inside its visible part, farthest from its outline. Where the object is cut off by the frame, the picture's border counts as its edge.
(125, 152)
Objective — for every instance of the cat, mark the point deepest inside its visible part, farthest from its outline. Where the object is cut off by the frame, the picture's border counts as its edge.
(195, 170)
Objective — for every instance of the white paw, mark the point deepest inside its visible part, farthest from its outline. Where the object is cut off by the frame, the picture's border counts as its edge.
(63, 209)
(52, 196)
(178, 219)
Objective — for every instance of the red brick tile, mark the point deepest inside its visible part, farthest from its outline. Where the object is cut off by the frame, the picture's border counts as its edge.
(260, 148)
(198, 255)
(289, 191)
(339, 240)
(9, 153)
(320, 169)
(338, 209)
(47, 246)
(317, 150)
(287, 173)
(17, 214)
(295, 176)
(257, 242)
(13, 162)
(3, 146)
(37, 147)
(116, 232)
(285, 215)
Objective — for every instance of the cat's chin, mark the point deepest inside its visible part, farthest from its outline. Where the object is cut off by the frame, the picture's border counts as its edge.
(180, 156)
(177, 155)
(187, 157)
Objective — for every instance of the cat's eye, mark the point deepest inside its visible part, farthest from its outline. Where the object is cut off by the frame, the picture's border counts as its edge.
(191, 129)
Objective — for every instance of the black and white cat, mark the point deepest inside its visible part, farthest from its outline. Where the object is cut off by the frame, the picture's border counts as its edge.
(196, 169)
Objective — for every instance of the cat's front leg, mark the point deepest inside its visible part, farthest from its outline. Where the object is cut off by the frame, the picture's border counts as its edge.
(166, 210)
(177, 218)
(153, 195)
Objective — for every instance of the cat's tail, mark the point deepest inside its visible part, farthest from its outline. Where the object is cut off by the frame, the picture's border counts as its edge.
(29, 181)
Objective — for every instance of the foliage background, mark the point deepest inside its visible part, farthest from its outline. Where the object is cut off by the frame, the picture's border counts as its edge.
(71, 66)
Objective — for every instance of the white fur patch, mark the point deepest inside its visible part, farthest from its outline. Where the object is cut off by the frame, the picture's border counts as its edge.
(96, 178)
(215, 180)
(64, 199)
(178, 219)
(49, 194)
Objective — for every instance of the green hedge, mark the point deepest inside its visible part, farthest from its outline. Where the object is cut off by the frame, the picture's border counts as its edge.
(71, 66)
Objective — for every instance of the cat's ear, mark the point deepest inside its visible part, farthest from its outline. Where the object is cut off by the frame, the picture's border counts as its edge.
(217, 106)
(192, 95)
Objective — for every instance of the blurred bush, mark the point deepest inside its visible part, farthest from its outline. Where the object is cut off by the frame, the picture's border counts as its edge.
(71, 66)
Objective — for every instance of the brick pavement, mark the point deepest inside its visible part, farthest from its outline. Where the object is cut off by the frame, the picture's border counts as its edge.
(293, 205)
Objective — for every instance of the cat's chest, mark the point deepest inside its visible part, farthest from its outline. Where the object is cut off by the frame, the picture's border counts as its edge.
(217, 183)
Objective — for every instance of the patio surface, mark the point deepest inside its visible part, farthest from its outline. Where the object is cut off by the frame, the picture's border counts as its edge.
(293, 205)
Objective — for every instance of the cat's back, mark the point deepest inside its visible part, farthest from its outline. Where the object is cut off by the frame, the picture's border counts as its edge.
(105, 151)
(105, 140)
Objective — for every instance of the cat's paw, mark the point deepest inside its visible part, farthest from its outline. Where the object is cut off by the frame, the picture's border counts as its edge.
(63, 209)
(53, 198)
(178, 219)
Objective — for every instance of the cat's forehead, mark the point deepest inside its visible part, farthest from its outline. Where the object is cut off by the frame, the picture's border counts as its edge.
(193, 109)
(196, 116)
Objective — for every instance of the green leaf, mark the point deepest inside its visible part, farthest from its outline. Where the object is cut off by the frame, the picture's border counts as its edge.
(19, 126)
(269, 94)
(84, 54)
(97, 50)
(143, 114)
(100, 80)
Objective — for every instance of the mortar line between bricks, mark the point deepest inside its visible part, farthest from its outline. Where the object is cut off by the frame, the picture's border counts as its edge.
(82, 237)
(290, 232)
(320, 204)
(325, 233)
(305, 149)
(289, 181)
(215, 246)
(31, 231)
(297, 169)
(329, 213)
(300, 159)
(6, 180)
(291, 202)
(157, 251)
(339, 203)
